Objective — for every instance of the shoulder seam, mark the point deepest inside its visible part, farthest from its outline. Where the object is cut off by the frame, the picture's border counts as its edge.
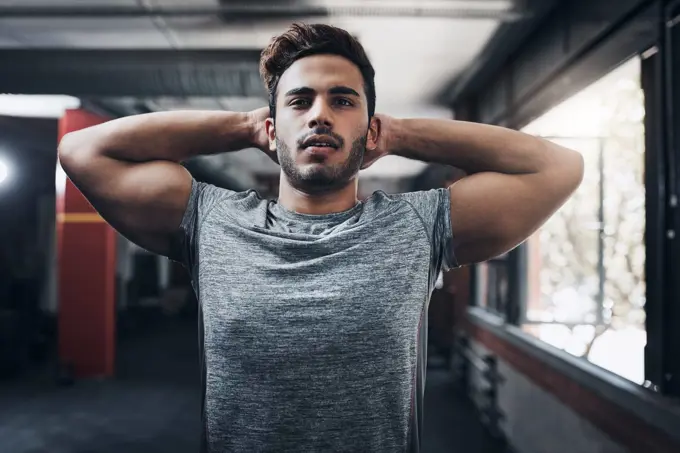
(202, 217)
(210, 210)
(221, 199)
(422, 221)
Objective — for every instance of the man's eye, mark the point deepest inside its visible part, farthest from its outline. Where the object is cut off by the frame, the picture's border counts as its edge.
(299, 102)
(344, 101)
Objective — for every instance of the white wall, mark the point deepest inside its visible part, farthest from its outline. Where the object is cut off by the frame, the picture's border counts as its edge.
(537, 422)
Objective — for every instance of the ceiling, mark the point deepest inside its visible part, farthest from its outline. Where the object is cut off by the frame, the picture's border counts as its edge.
(416, 47)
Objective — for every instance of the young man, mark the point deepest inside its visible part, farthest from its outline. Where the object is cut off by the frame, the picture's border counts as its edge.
(313, 307)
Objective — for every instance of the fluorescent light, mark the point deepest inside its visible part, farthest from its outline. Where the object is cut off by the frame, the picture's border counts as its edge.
(36, 106)
(490, 5)
(4, 171)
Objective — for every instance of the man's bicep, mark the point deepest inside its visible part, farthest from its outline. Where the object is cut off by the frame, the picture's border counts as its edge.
(145, 202)
(491, 213)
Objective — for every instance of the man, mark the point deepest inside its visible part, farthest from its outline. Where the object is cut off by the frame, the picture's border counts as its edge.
(313, 306)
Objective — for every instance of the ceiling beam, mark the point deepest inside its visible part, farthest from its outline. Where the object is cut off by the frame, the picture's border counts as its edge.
(498, 49)
(148, 73)
(253, 10)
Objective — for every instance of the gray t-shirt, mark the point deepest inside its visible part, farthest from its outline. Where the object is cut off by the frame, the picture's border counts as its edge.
(314, 327)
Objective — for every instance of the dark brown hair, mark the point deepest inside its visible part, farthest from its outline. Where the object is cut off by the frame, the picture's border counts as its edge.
(303, 40)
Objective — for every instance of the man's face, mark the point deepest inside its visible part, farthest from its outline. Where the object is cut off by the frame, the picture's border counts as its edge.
(322, 128)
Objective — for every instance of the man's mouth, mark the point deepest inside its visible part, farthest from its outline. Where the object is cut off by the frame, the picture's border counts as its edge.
(319, 144)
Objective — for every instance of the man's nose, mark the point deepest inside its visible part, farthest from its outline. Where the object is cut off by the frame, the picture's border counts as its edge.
(320, 115)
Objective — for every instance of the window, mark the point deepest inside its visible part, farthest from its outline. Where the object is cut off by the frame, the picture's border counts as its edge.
(585, 280)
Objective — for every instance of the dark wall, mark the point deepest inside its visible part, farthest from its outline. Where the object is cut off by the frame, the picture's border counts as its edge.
(29, 147)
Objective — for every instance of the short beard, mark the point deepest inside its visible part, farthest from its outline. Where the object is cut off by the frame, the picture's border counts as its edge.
(323, 178)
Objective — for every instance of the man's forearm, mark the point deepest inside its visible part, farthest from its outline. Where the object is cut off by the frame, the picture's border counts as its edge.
(173, 136)
(471, 147)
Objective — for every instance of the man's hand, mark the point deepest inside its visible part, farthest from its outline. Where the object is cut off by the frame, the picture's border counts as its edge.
(385, 126)
(259, 132)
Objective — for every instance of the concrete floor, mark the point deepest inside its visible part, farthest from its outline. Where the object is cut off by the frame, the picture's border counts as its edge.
(153, 405)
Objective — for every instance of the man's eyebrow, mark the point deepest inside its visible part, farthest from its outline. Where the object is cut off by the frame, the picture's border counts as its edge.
(334, 90)
(300, 90)
(343, 90)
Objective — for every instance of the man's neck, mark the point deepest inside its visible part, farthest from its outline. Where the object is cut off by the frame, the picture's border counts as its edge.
(301, 202)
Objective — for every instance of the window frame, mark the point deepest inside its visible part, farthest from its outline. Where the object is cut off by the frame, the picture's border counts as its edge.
(660, 71)
(669, 122)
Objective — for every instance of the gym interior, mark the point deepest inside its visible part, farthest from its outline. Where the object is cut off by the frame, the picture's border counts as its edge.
(568, 343)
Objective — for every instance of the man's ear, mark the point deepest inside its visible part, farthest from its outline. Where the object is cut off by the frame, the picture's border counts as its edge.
(270, 128)
(373, 136)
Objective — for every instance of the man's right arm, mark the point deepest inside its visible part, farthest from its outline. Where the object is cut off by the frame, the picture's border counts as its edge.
(129, 169)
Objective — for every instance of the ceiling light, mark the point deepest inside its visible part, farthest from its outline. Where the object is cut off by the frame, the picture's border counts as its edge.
(36, 106)
(4, 171)
(491, 5)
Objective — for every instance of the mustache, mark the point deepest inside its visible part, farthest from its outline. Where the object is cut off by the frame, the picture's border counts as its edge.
(321, 131)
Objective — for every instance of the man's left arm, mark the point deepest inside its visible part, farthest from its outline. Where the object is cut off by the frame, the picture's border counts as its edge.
(515, 181)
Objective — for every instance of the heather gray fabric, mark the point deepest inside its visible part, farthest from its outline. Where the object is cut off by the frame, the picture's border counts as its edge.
(314, 328)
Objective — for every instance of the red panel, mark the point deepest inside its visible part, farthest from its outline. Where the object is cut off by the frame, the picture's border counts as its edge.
(86, 275)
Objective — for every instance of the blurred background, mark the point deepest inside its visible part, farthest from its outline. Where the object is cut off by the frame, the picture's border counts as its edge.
(569, 343)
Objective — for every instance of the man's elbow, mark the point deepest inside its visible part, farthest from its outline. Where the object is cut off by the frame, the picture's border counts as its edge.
(566, 170)
(574, 169)
(72, 150)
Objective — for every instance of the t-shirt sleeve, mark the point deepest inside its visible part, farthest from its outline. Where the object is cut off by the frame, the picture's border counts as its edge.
(202, 199)
(434, 209)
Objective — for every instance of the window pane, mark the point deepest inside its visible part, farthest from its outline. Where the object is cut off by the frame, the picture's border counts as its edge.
(564, 252)
(586, 289)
